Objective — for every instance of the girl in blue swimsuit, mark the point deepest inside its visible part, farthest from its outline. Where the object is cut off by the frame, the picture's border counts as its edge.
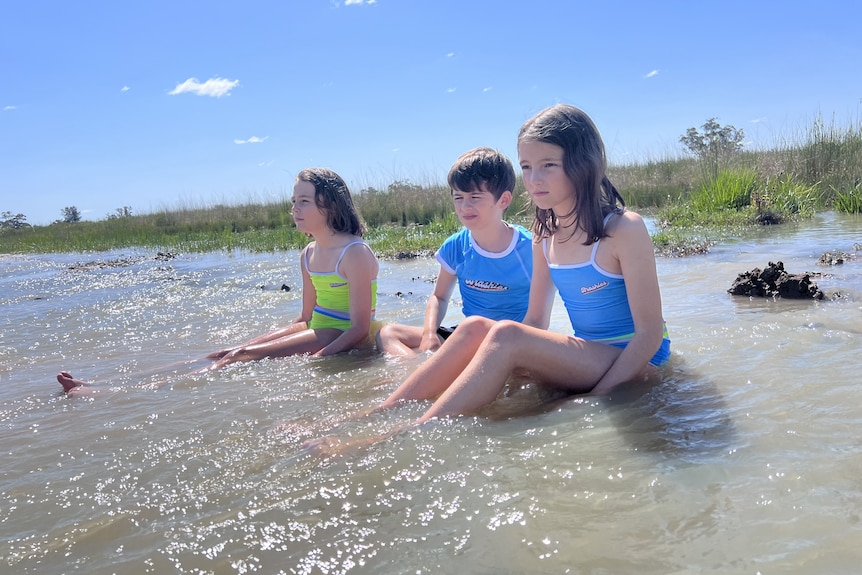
(587, 246)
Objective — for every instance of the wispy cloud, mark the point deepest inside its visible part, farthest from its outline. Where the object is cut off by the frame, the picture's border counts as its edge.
(214, 87)
(359, 2)
(451, 90)
(9, 108)
(758, 120)
(488, 89)
(652, 74)
(450, 55)
(125, 89)
(252, 140)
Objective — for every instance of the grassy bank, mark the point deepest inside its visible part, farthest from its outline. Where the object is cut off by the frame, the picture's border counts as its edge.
(818, 169)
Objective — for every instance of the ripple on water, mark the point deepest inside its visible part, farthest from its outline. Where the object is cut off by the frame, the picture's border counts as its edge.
(743, 459)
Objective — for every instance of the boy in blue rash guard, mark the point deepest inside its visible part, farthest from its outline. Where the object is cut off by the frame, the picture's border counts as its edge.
(490, 259)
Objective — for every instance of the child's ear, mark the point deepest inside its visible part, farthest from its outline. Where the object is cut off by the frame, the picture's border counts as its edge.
(505, 199)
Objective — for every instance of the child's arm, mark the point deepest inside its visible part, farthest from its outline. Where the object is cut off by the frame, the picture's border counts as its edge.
(541, 291)
(359, 266)
(435, 310)
(635, 252)
(309, 295)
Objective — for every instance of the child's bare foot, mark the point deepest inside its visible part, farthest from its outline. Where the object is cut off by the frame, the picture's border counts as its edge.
(76, 387)
(331, 446)
(217, 354)
(68, 382)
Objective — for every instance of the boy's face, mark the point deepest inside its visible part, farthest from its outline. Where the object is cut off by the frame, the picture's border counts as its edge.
(478, 208)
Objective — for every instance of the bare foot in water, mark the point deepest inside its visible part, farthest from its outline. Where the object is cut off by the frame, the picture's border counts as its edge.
(330, 446)
(68, 382)
(333, 445)
(74, 386)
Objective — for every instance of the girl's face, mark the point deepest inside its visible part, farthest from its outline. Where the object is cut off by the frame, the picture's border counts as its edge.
(308, 217)
(544, 177)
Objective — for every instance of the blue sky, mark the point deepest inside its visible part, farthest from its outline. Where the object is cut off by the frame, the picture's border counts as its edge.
(160, 104)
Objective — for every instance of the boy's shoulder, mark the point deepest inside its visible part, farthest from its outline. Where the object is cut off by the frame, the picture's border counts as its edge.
(462, 235)
(524, 232)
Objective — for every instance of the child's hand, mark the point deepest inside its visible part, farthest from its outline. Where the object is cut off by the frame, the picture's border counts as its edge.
(430, 342)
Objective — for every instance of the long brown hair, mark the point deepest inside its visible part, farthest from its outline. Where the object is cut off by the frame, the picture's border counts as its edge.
(585, 164)
(332, 196)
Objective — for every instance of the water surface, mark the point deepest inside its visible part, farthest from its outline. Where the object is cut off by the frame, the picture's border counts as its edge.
(747, 458)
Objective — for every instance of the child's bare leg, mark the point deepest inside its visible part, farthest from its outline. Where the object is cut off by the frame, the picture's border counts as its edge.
(555, 359)
(435, 375)
(397, 339)
(270, 336)
(306, 341)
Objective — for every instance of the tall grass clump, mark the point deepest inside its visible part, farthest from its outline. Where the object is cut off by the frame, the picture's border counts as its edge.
(786, 197)
(849, 198)
(825, 155)
(730, 190)
(655, 182)
(403, 202)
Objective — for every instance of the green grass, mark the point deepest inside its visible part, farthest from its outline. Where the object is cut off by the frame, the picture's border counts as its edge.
(818, 168)
(849, 198)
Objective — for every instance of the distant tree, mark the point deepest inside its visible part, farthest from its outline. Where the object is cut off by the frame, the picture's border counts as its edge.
(124, 212)
(715, 145)
(8, 221)
(71, 215)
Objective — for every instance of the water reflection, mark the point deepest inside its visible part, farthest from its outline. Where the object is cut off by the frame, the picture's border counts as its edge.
(743, 458)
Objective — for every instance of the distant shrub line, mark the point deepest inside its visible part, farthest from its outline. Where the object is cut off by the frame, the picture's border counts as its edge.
(736, 187)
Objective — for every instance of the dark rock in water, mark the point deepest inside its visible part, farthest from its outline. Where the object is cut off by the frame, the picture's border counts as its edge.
(833, 258)
(165, 256)
(774, 281)
(285, 287)
(768, 219)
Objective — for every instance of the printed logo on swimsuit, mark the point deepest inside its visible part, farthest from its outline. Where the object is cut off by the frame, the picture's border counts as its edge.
(337, 284)
(595, 287)
(483, 285)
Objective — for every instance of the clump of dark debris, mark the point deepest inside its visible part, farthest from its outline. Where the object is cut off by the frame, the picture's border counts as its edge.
(775, 281)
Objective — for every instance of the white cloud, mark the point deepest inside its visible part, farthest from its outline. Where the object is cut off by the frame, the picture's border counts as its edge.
(214, 87)
(450, 55)
(8, 108)
(359, 2)
(488, 89)
(252, 140)
(125, 89)
(758, 120)
(451, 90)
(652, 74)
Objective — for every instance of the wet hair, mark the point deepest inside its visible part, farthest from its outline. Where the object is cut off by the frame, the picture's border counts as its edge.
(482, 166)
(332, 196)
(585, 164)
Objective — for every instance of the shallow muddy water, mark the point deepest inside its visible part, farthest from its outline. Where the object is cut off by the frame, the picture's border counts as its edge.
(746, 458)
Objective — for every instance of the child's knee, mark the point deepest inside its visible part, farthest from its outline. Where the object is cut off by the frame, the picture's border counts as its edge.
(506, 332)
(475, 326)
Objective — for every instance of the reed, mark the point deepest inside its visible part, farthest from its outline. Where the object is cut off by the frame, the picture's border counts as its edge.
(849, 199)
(816, 168)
